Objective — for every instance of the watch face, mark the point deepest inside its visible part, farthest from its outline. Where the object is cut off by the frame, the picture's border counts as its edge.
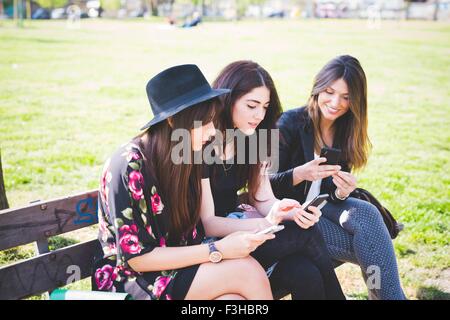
(215, 256)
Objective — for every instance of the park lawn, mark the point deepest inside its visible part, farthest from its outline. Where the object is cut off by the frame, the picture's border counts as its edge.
(70, 97)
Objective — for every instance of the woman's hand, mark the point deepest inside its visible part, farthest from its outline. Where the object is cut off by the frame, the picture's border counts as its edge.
(241, 243)
(281, 210)
(312, 170)
(306, 220)
(345, 183)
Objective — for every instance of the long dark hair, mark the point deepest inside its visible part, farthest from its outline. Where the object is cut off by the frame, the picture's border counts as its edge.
(351, 128)
(179, 185)
(242, 77)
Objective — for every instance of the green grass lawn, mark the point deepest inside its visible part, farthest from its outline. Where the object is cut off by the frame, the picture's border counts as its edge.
(69, 97)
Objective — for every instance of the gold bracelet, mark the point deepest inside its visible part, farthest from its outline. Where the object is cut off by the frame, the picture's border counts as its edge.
(339, 197)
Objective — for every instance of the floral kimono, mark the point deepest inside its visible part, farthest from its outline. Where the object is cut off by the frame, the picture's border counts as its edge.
(132, 222)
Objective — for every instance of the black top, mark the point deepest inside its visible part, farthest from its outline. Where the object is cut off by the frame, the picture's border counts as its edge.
(224, 186)
(297, 148)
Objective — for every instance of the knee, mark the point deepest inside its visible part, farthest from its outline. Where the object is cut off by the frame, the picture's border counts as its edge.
(364, 215)
(369, 214)
(308, 275)
(247, 270)
(252, 270)
(315, 235)
(231, 296)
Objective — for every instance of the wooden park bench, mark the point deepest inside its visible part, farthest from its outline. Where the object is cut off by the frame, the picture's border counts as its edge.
(36, 223)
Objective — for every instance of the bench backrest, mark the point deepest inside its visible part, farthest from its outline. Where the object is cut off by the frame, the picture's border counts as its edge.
(35, 223)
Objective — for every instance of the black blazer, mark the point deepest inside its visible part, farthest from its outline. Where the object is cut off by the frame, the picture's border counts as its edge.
(297, 148)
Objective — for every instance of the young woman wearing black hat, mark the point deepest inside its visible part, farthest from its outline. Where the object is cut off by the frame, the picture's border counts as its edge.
(149, 223)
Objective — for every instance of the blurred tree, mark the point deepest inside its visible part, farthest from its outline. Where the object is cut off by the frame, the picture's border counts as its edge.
(153, 5)
(242, 6)
(18, 12)
(15, 14)
(110, 4)
(28, 9)
(436, 10)
(200, 3)
(51, 4)
(408, 7)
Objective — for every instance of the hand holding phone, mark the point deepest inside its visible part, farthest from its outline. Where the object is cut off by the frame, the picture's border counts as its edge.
(319, 202)
(307, 218)
(331, 154)
(271, 229)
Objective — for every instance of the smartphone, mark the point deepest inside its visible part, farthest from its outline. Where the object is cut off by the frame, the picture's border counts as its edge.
(271, 229)
(333, 155)
(320, 201)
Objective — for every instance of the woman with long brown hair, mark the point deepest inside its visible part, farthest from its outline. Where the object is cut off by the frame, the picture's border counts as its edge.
(336, 116)
(297, 259)
(149, 222)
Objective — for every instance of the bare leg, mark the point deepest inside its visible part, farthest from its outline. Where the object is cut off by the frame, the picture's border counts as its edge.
(230, 296)
(244, 277)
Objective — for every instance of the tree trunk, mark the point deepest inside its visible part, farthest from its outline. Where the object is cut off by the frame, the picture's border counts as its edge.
(171, 2)
(436, 10)
(154, 7)
(15, 14)
(28, 9)
(408, 6)
(3, 199)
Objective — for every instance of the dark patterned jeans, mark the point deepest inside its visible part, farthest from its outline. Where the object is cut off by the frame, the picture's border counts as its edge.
(354, 231)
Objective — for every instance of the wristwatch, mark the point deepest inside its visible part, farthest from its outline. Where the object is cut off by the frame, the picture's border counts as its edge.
(215, 256)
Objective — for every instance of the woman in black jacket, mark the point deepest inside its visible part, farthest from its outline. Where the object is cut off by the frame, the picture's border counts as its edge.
(336, 116)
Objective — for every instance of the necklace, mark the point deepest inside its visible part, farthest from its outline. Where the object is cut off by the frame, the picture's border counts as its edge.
(226, 169)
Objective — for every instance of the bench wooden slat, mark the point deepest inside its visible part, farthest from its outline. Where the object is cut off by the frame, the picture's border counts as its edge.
(45, 219)
(47, 271)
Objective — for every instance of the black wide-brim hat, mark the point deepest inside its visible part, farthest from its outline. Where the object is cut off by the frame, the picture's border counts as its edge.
(176, 89)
